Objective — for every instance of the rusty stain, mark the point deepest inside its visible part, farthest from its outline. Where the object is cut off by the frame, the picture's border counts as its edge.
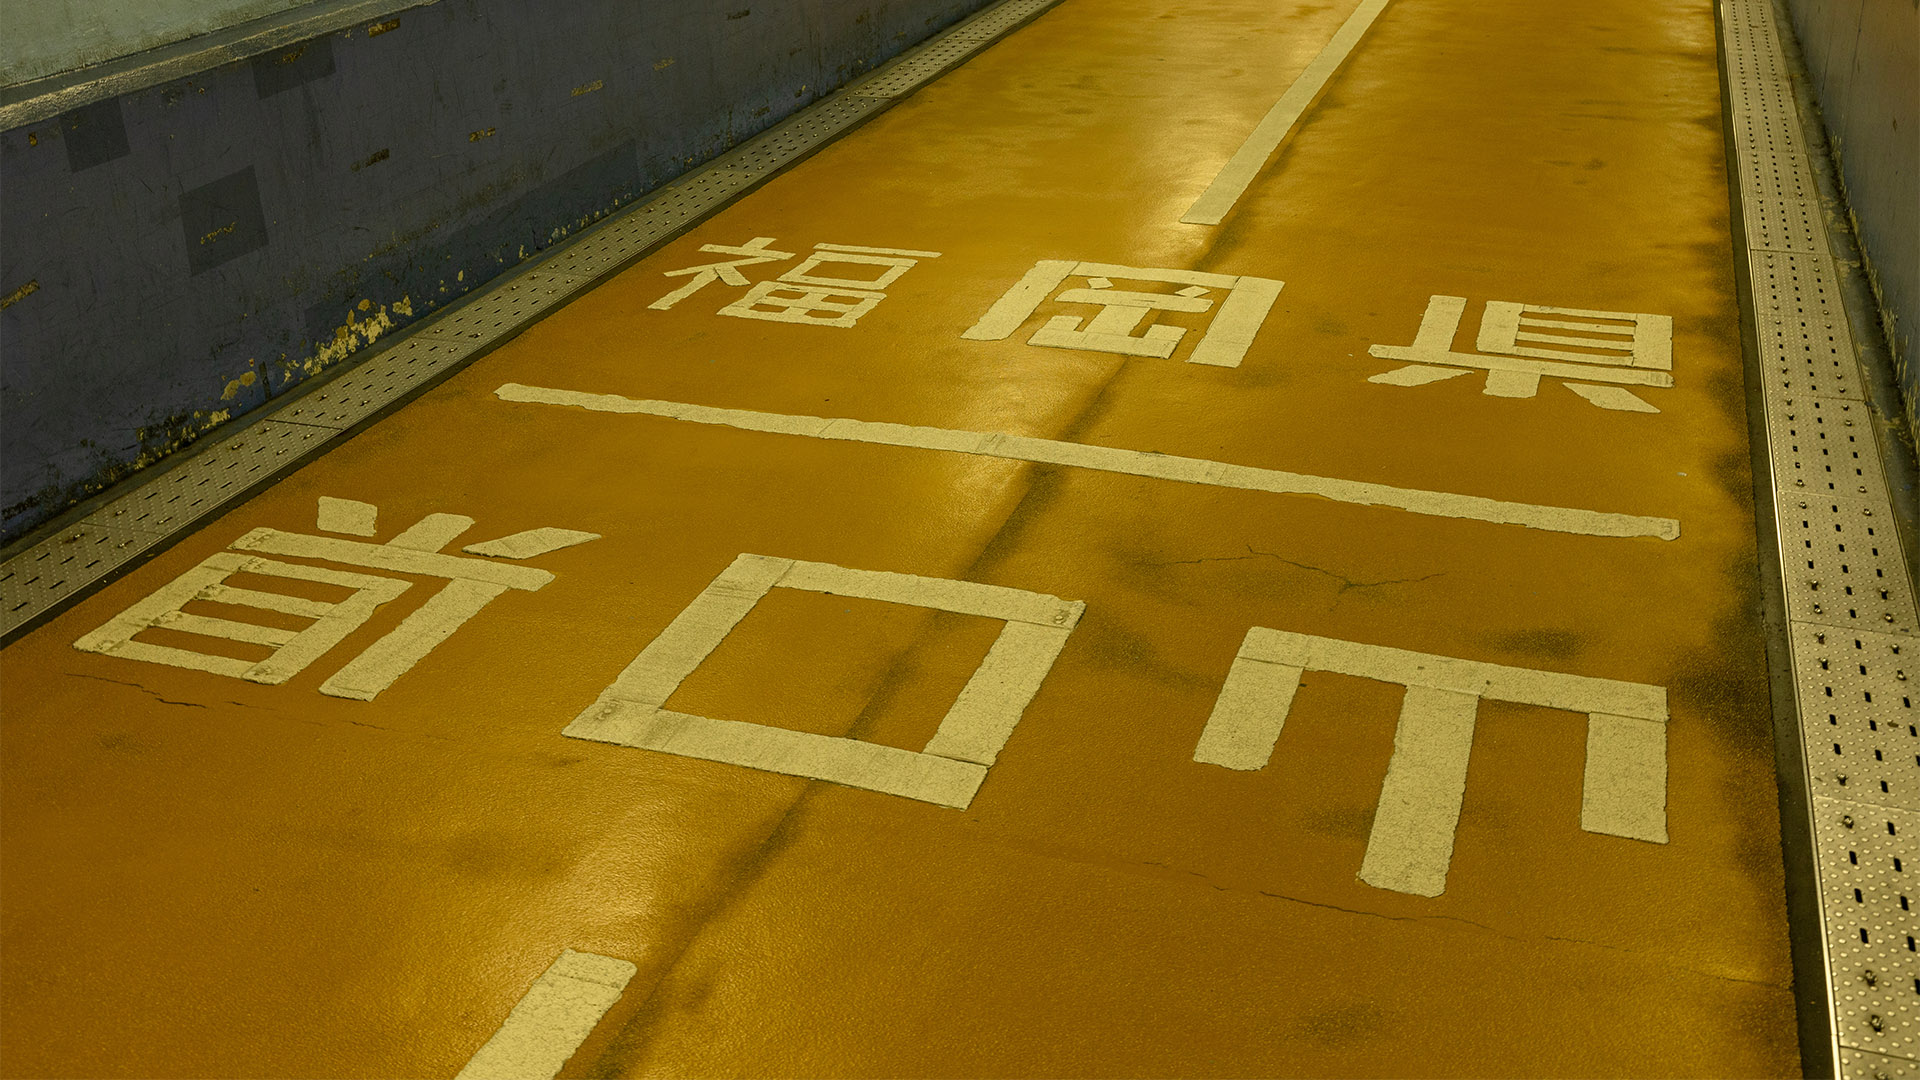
(356, 333)
(291, 56)
(32, 139)
(589, 88)
(379, 156)
(478, 135)
(662, 65)
(379, 28)
(234, 385)
(21, 293)
(219, 232)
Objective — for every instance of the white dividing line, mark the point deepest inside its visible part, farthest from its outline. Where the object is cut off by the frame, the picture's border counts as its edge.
(1214, 204)
(551, 1022)
(1130, 462)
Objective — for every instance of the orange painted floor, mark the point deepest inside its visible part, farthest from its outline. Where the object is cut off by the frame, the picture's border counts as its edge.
(211, 876)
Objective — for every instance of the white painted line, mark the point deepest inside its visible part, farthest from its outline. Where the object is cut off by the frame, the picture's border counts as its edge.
(1416, 375)
(1411, 844)
(1131, 462)
(1625, 790)
(525, 545)
(1611, 397)
(953, 765)
(849, 762)
(1012, 309)
(407, 644)
(1201, 278)
(1238, 321)
(251, 633)
(944, 594)
(1248, 716)
(433, 532)
(698, 630)
(347, 516)
(1239, 171)
(552, 1020)
(1520, 365)
(333, 622)
(1526, 686)
(981, 720)
(265, 601)
(860, 250)
(403, 559)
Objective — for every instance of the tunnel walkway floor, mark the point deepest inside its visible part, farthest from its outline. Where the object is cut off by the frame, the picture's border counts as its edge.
(1053, 584)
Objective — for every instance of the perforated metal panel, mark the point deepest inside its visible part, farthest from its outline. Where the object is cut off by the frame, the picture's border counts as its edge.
(1858, 688)
(1850, 603)
(1867, 856)
(375, 383)
(928, 62)
(37, 580)
(209, 480)
(1859, 1063)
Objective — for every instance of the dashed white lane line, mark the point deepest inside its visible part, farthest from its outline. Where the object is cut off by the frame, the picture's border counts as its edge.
(552, 1020)
(1130, 462)
(1217, 201)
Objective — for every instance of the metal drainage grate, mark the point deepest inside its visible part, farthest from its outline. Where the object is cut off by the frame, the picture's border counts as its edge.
(1850, 605)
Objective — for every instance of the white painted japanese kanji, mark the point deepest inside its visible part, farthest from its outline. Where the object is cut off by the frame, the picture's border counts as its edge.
(1624, 792)
(833, 286)
(472, 583)
(1599, 352)
(1123, 322)
(947, 772)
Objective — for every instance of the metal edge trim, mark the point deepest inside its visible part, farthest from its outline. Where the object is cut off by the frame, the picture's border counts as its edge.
(46, 97)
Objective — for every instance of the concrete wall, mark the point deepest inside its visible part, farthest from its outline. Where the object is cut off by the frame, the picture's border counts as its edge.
(1864, 57)
(44, 37)
(177, 255)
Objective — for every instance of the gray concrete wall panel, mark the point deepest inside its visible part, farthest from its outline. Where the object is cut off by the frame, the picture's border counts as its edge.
(179, 254)
(1864, 59)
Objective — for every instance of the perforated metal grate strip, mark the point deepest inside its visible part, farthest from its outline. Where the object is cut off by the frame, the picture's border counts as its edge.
(1850, 604)
(38, 580)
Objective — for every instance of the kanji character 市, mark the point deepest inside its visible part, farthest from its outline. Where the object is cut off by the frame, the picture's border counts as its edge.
(471, 585)
(1595, 347)
(1116, 327)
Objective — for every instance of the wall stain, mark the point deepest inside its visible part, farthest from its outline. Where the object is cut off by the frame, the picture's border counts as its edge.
(596, 84)
(20, 293)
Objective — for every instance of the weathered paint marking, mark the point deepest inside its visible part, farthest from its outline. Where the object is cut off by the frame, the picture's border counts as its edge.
(1130, 462)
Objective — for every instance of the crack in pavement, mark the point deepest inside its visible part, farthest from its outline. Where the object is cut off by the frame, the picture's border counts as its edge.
(154, 693)
(1345, 581)
(1636, 953)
